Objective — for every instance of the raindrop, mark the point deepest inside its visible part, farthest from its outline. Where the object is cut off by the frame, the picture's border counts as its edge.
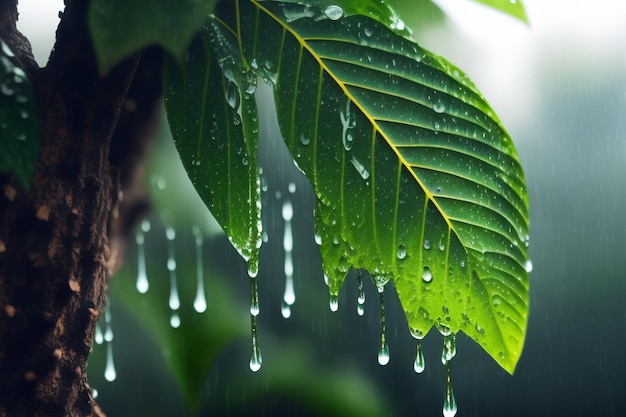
(426, 244)
(427, 276)
(368, 32)
(528, 266)
(419, 365)
(285, 310)
(439, 107)
(383, 353)
(109, 370)
(98, 338)
(304, 140)
(292, 187)
(142, 278)
(401, 251)
(360, 168)
(289, 296)
(334, 303)
(199, 302)
(255, 360)
(334, 12)
(174, 301)
(360, 309)
(449, 403)
(175, 320)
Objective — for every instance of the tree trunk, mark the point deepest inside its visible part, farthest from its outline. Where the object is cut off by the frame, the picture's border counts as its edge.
(62, 238)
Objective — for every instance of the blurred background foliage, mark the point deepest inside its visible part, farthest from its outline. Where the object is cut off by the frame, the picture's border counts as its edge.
(559, 86)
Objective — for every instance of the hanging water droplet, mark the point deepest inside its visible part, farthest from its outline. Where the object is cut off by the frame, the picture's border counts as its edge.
(449, 403)
(444, 329)
(528, 266)
(285, 310)
(401, 251)
(142, 278)
(419, 365)
(289, 296)
(256, 359)
(199, 302)
(175, 320)
(254, 304)
(109, 369)
(334, 303)
(383, 352)
(108, 330)
(174, 301)
(360, 309)
(333, 12)
(427, 276)
(449, 348)
(98, 338)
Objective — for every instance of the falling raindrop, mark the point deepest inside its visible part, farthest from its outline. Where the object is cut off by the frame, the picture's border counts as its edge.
(449, 403)
(109, 370)
(175, 320)
(418, 365)
(142, 278)
(334, 12)
(289, 296)
(255, 360)
(174, 301)
(360, 307)
(383, 352)
(199, 303)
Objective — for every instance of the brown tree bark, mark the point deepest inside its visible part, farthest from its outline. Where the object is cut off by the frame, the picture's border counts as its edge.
(63, 237)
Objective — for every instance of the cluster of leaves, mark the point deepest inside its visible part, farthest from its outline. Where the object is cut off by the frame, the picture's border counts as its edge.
(417, 180)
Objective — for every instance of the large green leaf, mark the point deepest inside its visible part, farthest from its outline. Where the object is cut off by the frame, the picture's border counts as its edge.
(417, 179)
(120, 28)
(19, 124)
(212, 116)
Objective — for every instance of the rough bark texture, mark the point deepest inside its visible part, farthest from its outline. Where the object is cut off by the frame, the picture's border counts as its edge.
(62, 238)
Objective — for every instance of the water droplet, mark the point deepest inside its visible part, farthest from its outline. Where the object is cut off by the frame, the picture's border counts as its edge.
(175, 320)
(232, 95)
(304, 140)
(427, 276)
(174, 301)
(142, 278)
(256, 360)
(449, 348)
(361, 290)
(244, 161)
(401, 251)
(439, 107)
(199, 302)
(479, 329)
(436, 126)
(318, 238)
(98, 338)
(289, 296)
(161, 183)
(449, 403)
(383, 353)
(528, 266)
(285, 310)
(441, 247)
(496, 300)
(24, 114)
(287, 211)
(254, 304)
(419, 365)
(334, 302)
(426, 244)
(360, 168)
(334, 12)
(443, 329)
(109, 370)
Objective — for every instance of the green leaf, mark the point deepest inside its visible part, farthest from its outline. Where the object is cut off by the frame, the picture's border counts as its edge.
(120, 28)
(19, 124)
(417, 180)
(212, 116)
(514, 8)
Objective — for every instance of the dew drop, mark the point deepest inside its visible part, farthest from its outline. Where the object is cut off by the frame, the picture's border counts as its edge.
(333, 12)
(427, 276)
(304, 140)
(199, 302)
(401, 251)
(496, 300)
(419, 365)
(426, 244)
(443, 329)
(439, 107)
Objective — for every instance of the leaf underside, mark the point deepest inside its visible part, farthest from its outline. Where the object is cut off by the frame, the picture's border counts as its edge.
(417, 180)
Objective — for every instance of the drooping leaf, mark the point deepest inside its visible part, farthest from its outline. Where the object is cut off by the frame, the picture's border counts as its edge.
(212, 116)
(19, 125)
(417, 180)
(514, 8)
(120, 28)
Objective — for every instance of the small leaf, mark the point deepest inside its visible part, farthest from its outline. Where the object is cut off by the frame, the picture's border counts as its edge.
(120, 28)
(213, 119)
(19, 123)
(407, 157)
(513, 8)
